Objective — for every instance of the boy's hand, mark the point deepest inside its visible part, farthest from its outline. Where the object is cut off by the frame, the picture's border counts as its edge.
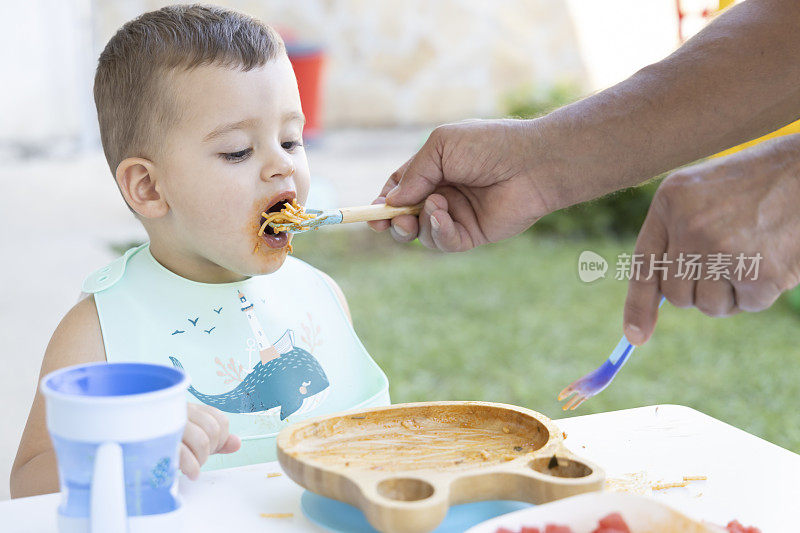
(206, 433)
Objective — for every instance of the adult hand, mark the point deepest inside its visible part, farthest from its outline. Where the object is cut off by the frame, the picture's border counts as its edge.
(479, 182)
(733, 81)
(740, 206)
(206, 433)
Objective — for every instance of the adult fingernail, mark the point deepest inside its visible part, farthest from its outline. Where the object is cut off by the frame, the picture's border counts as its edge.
(392, 192)
(434, 224)
(400, 231)
(633, 333)
(437, 201)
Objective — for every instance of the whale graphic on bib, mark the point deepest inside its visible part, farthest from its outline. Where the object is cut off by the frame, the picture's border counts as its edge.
(282, 382)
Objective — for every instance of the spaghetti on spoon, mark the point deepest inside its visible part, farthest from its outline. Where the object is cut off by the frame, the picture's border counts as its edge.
(293, 218)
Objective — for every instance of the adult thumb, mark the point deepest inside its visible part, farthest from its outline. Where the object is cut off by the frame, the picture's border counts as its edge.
(421, 175)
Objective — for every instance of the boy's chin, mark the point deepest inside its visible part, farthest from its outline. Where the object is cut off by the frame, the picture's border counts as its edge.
(261, 264)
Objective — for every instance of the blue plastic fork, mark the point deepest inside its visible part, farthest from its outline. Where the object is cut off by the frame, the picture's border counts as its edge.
(595, 381)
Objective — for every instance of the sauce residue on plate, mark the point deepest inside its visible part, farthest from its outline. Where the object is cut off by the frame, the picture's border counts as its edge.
(420, 439)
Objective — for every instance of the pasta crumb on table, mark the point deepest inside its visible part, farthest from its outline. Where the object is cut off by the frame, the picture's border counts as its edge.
(684, 483)
(662, 486)
(637, 483)
(695, 478)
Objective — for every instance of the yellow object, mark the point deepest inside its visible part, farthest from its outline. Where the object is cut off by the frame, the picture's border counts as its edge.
(794, 127)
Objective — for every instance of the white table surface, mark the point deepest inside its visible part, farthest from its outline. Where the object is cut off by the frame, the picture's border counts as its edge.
(748, 478)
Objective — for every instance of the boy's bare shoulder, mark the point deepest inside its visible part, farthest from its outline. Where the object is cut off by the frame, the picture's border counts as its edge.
(77, 339)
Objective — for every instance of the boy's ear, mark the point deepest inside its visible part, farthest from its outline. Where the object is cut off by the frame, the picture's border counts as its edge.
(141, 190)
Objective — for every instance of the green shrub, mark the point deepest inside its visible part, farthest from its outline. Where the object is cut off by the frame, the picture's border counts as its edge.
(618, 215)
(532, 102)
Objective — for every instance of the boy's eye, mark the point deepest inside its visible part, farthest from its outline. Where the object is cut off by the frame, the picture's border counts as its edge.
(237, 156)
(291, 145)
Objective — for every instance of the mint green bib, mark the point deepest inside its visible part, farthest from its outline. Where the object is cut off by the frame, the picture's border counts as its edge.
(267, 351)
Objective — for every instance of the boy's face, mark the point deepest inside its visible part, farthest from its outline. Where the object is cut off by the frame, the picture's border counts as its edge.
(235, 151)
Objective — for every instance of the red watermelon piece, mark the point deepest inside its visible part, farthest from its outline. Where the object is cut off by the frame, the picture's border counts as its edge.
(612, 523)
(555, 528)
(735, 527)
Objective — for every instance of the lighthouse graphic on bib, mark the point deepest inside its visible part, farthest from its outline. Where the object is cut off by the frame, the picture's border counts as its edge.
(266, 351)
(286, 379)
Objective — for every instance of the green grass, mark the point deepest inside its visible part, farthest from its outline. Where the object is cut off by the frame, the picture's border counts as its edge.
(513, 323)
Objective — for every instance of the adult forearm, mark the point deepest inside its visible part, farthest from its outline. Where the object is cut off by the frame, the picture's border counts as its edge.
(39, 475)
(737, 79)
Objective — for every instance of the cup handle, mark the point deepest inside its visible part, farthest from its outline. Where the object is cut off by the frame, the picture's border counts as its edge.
(107, 511)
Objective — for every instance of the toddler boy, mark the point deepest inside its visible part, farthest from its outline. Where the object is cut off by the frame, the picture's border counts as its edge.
(201, 124)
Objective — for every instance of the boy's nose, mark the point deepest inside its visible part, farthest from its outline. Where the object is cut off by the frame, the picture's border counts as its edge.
(280, 167)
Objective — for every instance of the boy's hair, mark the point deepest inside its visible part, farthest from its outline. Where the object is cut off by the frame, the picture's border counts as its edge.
(134, 104)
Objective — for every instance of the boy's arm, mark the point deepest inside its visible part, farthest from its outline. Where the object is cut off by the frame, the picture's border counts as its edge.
(339, 293)
(77, 339)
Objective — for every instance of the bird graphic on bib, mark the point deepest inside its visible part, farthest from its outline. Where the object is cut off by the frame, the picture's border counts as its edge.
(285, 377)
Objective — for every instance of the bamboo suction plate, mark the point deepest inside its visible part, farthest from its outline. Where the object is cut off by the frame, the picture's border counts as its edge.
(404, 465)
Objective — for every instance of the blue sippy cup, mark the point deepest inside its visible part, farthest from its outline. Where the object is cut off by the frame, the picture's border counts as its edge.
(116, 429)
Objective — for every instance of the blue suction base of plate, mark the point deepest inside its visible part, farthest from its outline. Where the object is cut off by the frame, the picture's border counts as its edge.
(341, 517)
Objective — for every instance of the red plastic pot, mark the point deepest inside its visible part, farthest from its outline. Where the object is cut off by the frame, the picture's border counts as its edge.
(309, 63)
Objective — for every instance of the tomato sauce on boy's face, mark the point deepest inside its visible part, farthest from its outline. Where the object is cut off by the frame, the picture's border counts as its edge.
(235, 149)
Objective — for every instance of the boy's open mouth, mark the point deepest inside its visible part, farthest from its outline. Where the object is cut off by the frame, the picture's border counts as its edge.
(270, 237)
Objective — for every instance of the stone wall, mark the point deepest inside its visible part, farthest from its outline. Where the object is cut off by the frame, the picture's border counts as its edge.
(390, 62)
(412, 61)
